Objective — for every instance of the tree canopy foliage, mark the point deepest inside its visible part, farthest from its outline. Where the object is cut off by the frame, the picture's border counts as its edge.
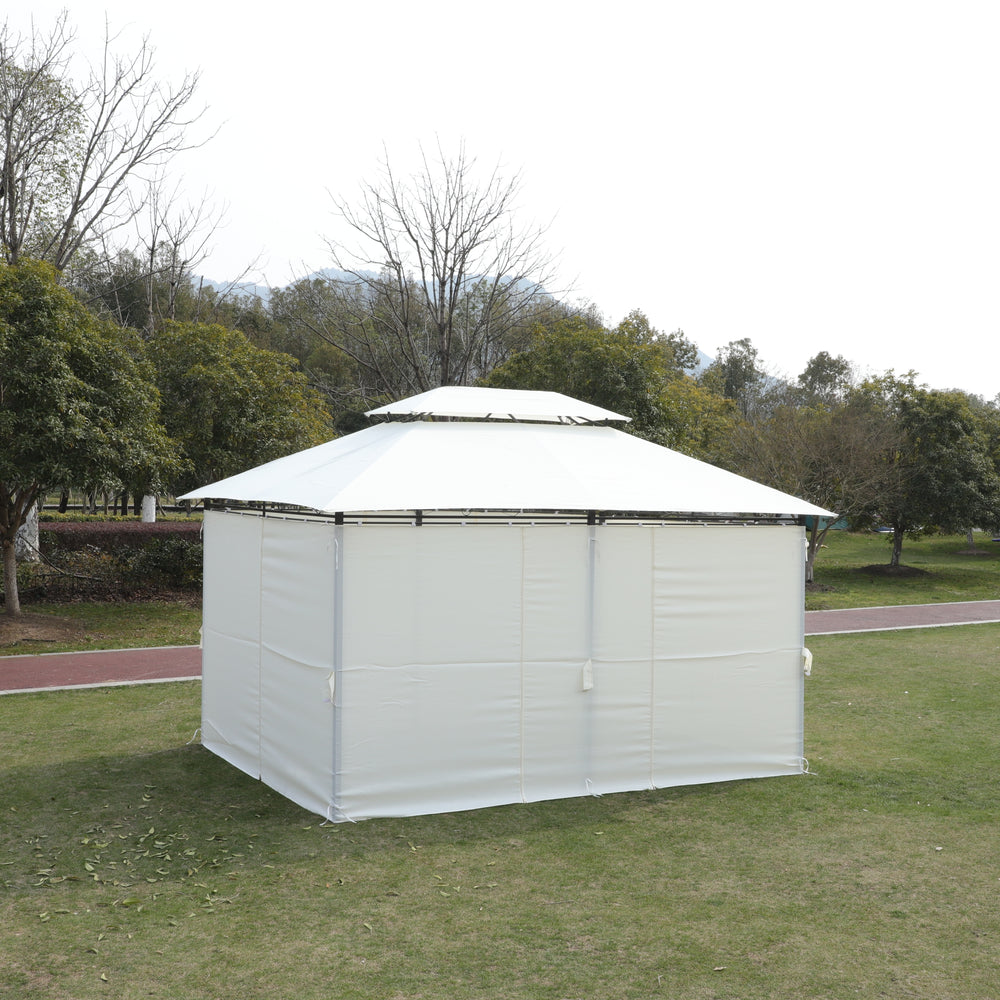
(77, 403)
(631, 369)
(829, 452)
(882, 452)
(230, 405)
(940, 475)
(826, 379)
(736, 374)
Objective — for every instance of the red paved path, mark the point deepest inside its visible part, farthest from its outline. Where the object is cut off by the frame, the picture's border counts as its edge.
(99, 669)
(903, 616)
(170, 663)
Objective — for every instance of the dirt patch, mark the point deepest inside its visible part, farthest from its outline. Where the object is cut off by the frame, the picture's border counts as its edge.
(38, 628)
(884, 569)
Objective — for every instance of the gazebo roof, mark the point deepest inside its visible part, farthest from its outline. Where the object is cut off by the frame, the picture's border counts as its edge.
(475, 465)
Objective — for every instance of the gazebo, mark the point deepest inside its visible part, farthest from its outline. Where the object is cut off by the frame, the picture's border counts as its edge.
(496, 596)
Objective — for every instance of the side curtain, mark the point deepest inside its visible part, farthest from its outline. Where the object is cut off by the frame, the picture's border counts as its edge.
(297, 660)
(492, 664)
(726, 630)
(230, 690)
(430, 690)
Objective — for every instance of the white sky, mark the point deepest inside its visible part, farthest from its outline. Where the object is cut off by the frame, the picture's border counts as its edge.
(812, 176)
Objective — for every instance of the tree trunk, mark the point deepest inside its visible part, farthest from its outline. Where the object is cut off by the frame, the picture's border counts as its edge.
(969, 538)
(814, 543)
(897, 547)
(26, 539)
(12, 601)
(63, 501)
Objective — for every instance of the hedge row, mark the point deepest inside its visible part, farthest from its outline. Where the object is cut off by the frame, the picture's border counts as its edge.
(111, 536)
(113, 560)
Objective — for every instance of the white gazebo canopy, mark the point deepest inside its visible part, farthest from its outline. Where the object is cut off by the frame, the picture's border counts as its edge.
(567, 461)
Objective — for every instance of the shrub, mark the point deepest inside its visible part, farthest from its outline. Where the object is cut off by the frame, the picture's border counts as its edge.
(114, 537)
(113, 560)
(168, 560)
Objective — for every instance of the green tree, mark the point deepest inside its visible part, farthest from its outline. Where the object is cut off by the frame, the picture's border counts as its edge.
(941, 475)
(630, 370)
(301, 313)
(736, 374)
(679, 354)
(826, 378)
(146, 293)
(987, 415)
(230, 405)
(76, 404)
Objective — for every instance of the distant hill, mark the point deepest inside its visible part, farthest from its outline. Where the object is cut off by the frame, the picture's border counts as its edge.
(703, 362)
(241, 288)
(263, 292)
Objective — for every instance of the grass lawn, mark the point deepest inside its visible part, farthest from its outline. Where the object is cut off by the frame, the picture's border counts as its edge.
(111, 625)
(133, 863)
(939, 568)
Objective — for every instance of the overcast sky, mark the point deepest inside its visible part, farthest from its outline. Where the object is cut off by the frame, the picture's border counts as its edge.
(811, 176)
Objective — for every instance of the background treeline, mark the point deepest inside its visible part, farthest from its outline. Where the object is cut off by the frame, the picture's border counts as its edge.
(880, 448)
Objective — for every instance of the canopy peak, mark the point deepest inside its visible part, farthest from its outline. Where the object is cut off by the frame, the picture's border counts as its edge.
(480, 403)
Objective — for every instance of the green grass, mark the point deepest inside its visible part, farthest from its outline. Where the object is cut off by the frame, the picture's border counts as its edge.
(946, 572)
(136, 864)
(118, 625)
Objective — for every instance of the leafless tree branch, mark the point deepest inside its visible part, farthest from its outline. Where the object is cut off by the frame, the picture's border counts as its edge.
(438, 277)
(72, 151)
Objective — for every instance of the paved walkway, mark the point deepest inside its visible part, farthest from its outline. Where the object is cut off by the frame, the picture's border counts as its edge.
(901, 616)
(99, 669)
(175, 663)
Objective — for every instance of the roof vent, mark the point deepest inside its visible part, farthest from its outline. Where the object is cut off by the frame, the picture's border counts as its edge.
(473, 402)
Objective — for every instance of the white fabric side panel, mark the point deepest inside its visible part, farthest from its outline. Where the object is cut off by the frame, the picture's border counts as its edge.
(296, 715)
(557, 713)
(230, 689)
(430, 687)
(727, 653)
(623, 672)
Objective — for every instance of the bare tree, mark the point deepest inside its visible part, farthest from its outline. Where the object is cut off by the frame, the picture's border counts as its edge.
(69, 151)
(440, 277)
(176, 240)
